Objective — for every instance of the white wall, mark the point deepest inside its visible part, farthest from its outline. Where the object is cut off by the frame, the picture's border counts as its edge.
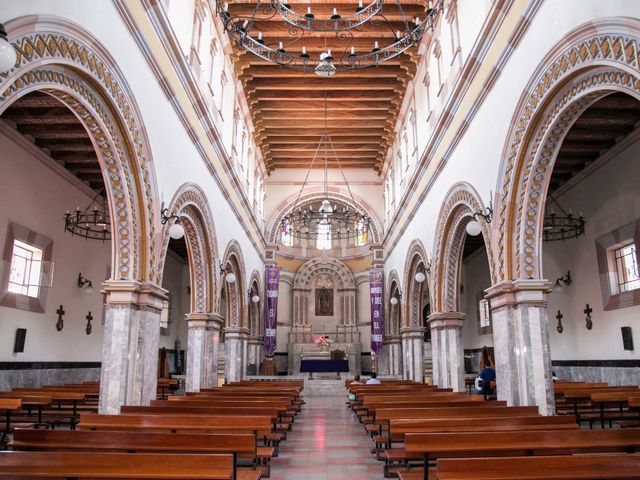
(176, 280)
(609, 200)
(475, 278)
(36, 195)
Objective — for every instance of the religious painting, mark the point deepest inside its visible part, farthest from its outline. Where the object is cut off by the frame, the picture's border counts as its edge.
(324, 302)
(484, 315)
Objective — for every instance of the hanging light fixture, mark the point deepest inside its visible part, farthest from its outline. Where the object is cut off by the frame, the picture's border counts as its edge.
(338, 222)
(293, 54)
(561, 227)
(7, 52)
(93, 222)
(474, 228)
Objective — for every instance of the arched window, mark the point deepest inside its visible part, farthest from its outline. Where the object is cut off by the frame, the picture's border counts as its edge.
(323, 242)
(361, 233)
(286, 235)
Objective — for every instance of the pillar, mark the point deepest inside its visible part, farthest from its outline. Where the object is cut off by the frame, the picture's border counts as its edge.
(412, 349)
(391, 356)
(255, 355)
(235, 344)
(203, 339)
(129, 370)
(521, 343)
(447, 350)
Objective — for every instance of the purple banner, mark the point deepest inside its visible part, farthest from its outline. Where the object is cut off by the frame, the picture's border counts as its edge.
(376, 281)
(272, 283)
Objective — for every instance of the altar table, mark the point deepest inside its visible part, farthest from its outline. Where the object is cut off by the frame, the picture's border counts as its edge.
(316, 366)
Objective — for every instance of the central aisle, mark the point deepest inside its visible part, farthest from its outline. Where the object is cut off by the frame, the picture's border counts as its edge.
(327, 443)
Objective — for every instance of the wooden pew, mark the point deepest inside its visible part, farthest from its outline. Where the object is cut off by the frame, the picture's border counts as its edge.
(492, 444)
(581, 398)
(8, 406)
(109, 466)
(568, 467)
(30, 402)
(239, 445)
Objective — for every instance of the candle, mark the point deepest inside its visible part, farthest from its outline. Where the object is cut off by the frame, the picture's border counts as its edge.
(308, 10)
(417, 20)
(353, 50)
(398, 34)
(304, 50)
(328, 53)
(245, 23)
(359, 3)
(259, 35)
(335, 11)
(226, 7)
(375, 44)
(280, 46)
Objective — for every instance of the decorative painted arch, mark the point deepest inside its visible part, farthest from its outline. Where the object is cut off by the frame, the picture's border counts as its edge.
(60, 58)
(191, 205)
(394, 312)
(255, 309)
(345, 284)
(457, 210)
(592, 61)
(289, 203)
(235, 291)
(413, 291)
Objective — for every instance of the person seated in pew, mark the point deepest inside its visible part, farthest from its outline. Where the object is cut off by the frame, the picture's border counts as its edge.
(487, 375)
(374, 379)
(356, 381)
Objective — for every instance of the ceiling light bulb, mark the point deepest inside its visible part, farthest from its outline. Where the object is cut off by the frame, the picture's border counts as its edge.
(473, 228)
(176, 231)
(7, 52)
(420, 277)
(230, 277)
(255, 299)
(393, 301)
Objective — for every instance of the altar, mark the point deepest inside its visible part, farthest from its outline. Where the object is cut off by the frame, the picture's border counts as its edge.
(324, 366)
(311, 357)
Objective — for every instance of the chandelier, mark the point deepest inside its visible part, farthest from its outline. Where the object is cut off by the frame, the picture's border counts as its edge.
(326, 220)
(292, 52)
(562, 227)
(93, 222)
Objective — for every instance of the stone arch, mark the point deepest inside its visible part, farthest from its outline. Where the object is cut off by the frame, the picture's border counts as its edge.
(416, 261)
(235, 292)
(302, 285)
(289, 203)
(593, 60)
(62, 59)
(191, 205)
(459, 205)
(255, 310)
(394, 312)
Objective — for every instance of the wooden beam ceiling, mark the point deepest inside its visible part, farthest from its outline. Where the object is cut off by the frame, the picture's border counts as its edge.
(287, 106)
(59, 133)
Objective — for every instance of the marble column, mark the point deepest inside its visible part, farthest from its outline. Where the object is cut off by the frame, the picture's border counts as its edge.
(521, 343)
(447, 350)
(203, 339)
(255, 356)
(130, 345)
(235, 344)
(413, 354)
(393, 355)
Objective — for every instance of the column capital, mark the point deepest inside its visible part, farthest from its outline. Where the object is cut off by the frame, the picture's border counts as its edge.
(514, 292)
(412, 331)
(133, 292)
(204, 320)
(236, 332)
(446, 320)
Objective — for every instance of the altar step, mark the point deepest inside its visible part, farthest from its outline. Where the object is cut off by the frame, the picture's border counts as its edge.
(322, 387)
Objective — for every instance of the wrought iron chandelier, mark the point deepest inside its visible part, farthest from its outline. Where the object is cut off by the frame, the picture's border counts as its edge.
(336, 222)
(292, 53)
(93, 222)
(562, 227)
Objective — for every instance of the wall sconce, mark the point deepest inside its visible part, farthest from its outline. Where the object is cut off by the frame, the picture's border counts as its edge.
(253, 296)
(474, 228)
(85, 285)
(176, 231)
(396, 298)
(228, 274)
(562, 282)
(7, 52)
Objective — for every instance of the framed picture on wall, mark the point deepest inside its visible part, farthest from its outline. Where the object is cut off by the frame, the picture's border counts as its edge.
(484, 315)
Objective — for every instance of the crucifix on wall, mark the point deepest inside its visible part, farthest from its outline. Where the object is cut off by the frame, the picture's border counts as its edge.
(60, 323)
(89, 328)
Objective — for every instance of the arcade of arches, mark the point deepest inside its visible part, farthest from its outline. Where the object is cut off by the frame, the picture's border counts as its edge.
(497, 123)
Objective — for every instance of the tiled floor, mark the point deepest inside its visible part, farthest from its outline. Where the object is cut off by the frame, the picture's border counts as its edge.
(327, 443)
